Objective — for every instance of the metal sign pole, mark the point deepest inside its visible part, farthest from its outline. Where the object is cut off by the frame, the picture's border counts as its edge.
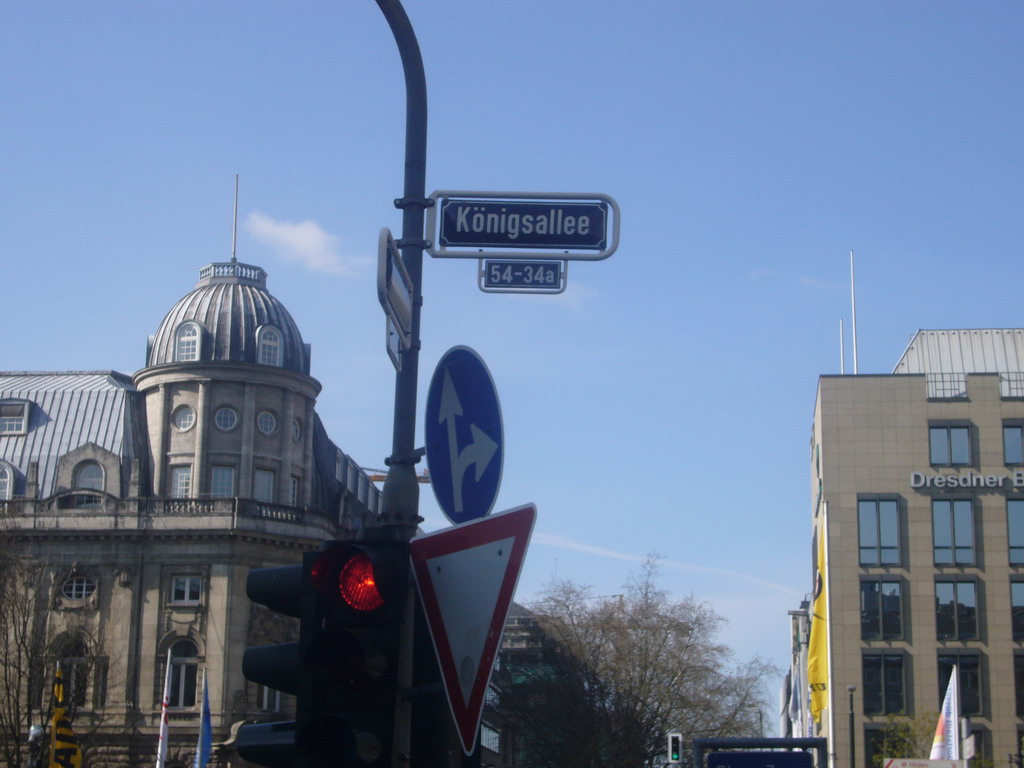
(400, 511)
(400, 503)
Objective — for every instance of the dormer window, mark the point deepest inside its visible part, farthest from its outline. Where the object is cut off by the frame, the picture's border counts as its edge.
(186, 343)
(13, 417)
(269, 346)
(89, 476)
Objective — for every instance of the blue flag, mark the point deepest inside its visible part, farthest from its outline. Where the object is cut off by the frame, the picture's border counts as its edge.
(205, 745)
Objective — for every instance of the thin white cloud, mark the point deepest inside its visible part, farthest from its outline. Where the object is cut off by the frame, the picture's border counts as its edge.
(305, 242)
(575, 295)
(578, 546)
(820, 284)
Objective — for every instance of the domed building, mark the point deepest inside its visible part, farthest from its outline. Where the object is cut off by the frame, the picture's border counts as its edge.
(141, 504)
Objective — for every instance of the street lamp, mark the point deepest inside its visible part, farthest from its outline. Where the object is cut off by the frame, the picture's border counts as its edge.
(35, 744)
(853, 742)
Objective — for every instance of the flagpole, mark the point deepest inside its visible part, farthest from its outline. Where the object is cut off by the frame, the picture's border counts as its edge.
(205, 744)
(161, 747)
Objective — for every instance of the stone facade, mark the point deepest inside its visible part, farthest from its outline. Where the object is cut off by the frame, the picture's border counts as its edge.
(147, 501)
(917, 489)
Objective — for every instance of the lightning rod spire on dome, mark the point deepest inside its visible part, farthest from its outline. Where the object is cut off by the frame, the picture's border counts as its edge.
(234, 226)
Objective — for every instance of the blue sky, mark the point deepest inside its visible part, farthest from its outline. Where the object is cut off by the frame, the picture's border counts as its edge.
(663, 403)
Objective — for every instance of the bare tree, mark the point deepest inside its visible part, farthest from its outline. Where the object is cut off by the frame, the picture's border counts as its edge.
(22, 647)
(31, 646)
(600, 681)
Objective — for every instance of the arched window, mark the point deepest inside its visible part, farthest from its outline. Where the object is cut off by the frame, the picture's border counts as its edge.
(6, 481)
(184, 672)
(72, 653)
(89, 476)
(269, 346)
(186, 343)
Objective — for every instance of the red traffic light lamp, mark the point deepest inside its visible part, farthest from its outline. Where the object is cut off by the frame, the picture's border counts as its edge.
(349, 646)
(363, 578)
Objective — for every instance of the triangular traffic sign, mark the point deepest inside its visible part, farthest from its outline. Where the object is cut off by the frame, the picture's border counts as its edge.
(466, 576)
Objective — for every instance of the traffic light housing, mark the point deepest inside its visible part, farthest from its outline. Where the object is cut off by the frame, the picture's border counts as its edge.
(276, 666)
(349, 643)
(675, 748)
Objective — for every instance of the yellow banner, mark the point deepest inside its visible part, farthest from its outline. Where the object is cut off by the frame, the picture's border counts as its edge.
(817, 649)
(64, 749)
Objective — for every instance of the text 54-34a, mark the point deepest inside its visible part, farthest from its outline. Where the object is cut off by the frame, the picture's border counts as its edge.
(511, 274)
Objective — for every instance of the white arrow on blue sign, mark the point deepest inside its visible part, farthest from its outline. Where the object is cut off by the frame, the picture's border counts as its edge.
(464, 436)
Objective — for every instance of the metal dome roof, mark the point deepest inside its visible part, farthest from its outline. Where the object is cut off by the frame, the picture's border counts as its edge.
(231, 305)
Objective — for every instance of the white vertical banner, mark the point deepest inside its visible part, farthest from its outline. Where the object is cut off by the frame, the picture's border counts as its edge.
(946, 744)
(165, 702)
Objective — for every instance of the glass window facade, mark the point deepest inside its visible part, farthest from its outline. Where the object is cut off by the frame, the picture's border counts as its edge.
(263, 485)
(186, 589)
(950, 445)
(883, 684)
(222, 482)
(879, 531)
(881, 609)
(181, 482)
(186, 343)
(1013, 444)
(1017, 609)
(270, 347)
(184, 673)
(956, 609)
(1018, 683)
(953, 531)
(1015, 530)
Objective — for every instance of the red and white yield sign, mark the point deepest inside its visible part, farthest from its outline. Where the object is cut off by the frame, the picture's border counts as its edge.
(466, 576)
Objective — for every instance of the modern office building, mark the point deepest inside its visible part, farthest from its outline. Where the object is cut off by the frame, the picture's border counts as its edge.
(917, 488)
(145, 500)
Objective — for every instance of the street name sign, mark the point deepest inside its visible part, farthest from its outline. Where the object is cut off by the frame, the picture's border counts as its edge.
(466, 577)
(523, 225)
(522, 276)
(464, 436)
(767, 759)
(394, 291)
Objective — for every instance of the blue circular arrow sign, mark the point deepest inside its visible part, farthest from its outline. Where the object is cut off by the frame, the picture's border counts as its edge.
(464, 436)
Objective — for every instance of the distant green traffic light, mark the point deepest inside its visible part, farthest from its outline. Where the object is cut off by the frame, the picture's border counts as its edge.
(675, 748)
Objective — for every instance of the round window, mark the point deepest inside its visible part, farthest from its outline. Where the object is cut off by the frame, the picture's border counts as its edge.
(184, 418)
(296, 430)
(225, 418)
(266, 423)
(78, 588)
